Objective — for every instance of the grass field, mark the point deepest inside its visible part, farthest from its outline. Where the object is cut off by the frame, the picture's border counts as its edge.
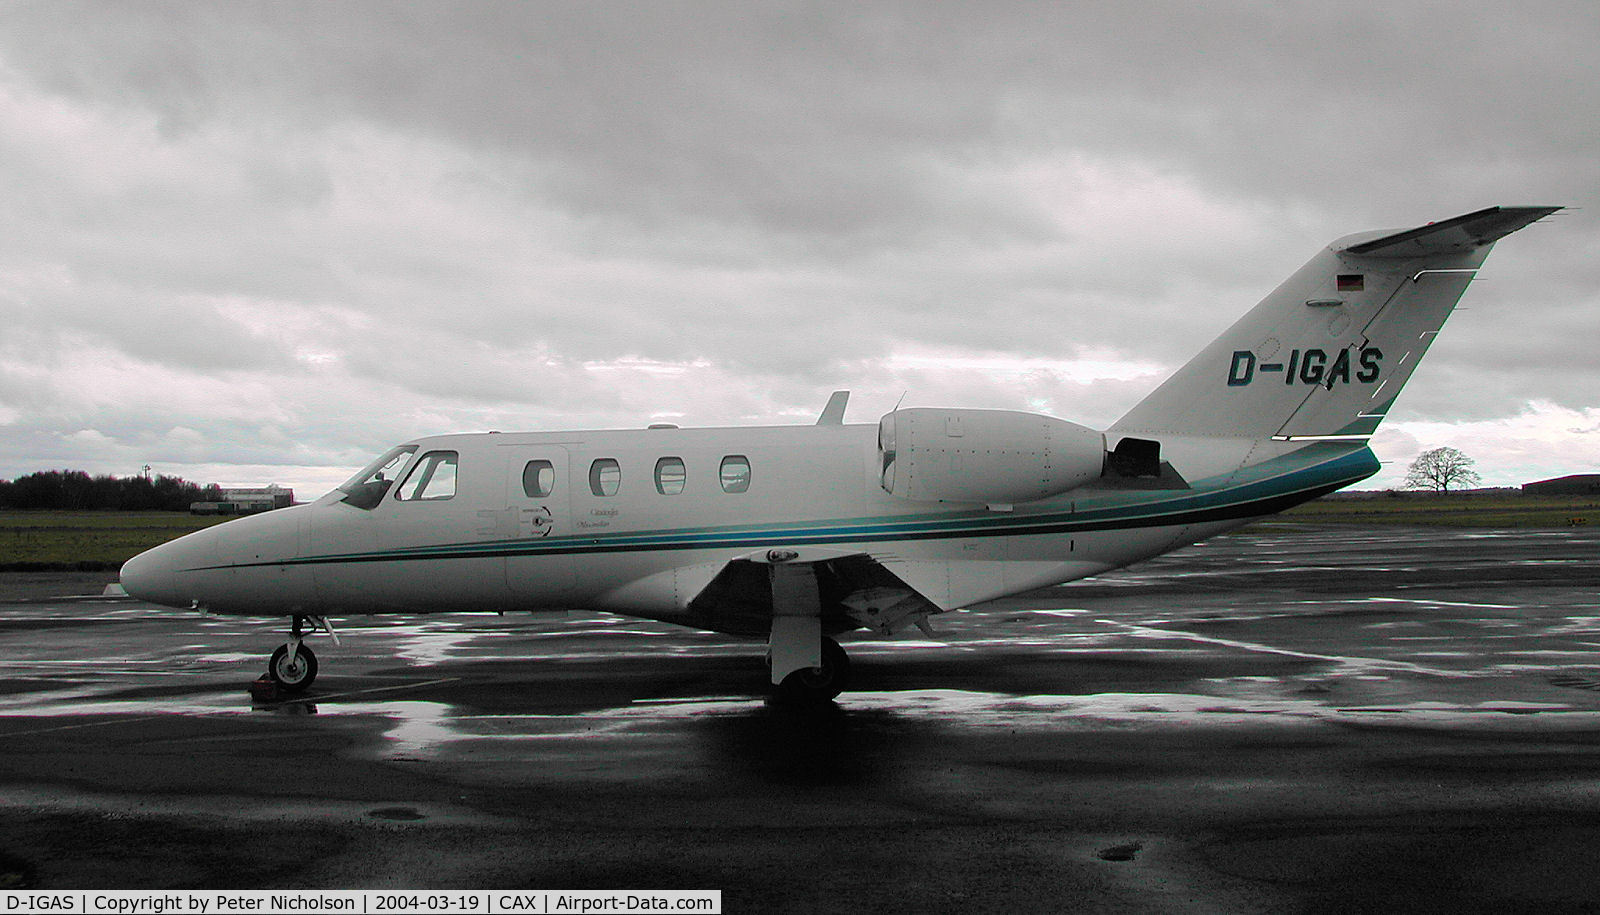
(95, 541)
(86, 541)
(1416, 509)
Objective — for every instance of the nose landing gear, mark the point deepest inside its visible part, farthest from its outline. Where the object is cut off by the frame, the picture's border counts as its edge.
(293, 670)
(293, 666)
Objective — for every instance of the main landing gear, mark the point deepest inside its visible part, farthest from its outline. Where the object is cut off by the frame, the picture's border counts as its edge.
(807, 666)
(819, 684)
(293, 667)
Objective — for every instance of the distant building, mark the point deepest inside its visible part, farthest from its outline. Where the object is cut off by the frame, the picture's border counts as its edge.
(1580, 484)
(246, 501)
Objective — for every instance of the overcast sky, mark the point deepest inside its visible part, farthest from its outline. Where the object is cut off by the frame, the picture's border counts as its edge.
(253, 243)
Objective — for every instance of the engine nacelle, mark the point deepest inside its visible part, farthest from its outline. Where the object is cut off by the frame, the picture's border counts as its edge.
(997, 457)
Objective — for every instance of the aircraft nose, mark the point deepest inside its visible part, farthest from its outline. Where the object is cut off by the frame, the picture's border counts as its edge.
(151, 576)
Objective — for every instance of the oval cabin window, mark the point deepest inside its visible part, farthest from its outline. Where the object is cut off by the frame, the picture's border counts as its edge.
(670, 476)
(735, 473)
(605, 477)
(538, 479)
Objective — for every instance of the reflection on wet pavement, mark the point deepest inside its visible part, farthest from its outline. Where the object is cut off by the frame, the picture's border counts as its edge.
(1255, 625)
(1200, 724)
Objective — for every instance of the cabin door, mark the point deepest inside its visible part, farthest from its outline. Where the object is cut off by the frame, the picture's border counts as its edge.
(539, 496)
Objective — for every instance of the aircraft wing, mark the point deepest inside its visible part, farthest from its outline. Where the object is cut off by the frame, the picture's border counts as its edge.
(855, 590)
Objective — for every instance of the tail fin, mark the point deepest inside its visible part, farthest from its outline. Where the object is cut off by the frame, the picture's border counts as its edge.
(1326, 353)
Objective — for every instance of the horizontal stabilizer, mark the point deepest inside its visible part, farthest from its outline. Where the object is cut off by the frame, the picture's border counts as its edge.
(1462, 233)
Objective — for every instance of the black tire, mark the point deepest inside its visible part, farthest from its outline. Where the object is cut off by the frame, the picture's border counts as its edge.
(813, 686)
(293, 675)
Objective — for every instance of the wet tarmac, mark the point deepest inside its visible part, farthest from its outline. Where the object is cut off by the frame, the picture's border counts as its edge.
(1285, 720)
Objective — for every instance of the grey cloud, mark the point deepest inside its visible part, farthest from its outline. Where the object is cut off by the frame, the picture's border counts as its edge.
(462, 205)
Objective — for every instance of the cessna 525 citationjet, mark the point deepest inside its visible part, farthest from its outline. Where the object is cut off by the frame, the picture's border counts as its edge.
(794, 534)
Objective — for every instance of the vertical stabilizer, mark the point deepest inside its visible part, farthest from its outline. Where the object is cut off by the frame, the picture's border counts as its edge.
(1327, 352)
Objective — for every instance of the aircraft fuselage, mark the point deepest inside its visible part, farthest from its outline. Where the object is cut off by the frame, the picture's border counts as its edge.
(640, 521)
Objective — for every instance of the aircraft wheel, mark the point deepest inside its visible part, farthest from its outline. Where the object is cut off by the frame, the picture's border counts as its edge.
(294, 673)
(818, 684)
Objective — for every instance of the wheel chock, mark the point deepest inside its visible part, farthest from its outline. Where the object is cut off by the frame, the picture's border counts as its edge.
(265, 689)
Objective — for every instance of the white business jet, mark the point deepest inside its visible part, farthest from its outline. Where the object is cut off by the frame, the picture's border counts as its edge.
(794, 534)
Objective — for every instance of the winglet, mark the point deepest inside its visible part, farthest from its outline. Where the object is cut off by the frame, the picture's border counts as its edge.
(833, 413)
(1463, 233)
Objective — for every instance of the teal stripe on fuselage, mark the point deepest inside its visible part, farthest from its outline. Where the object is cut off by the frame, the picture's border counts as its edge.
(1266, 488)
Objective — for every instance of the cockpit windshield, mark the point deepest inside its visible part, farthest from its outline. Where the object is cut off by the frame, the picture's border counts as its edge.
(366, 489)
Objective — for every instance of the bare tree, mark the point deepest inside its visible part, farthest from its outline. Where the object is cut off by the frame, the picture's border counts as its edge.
(1440, 468)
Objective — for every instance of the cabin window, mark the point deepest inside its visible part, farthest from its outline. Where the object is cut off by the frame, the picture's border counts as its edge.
(735, 473)
(538, 479)
(670, 476)
(367, 488)
(605, 477)
(433, 479)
